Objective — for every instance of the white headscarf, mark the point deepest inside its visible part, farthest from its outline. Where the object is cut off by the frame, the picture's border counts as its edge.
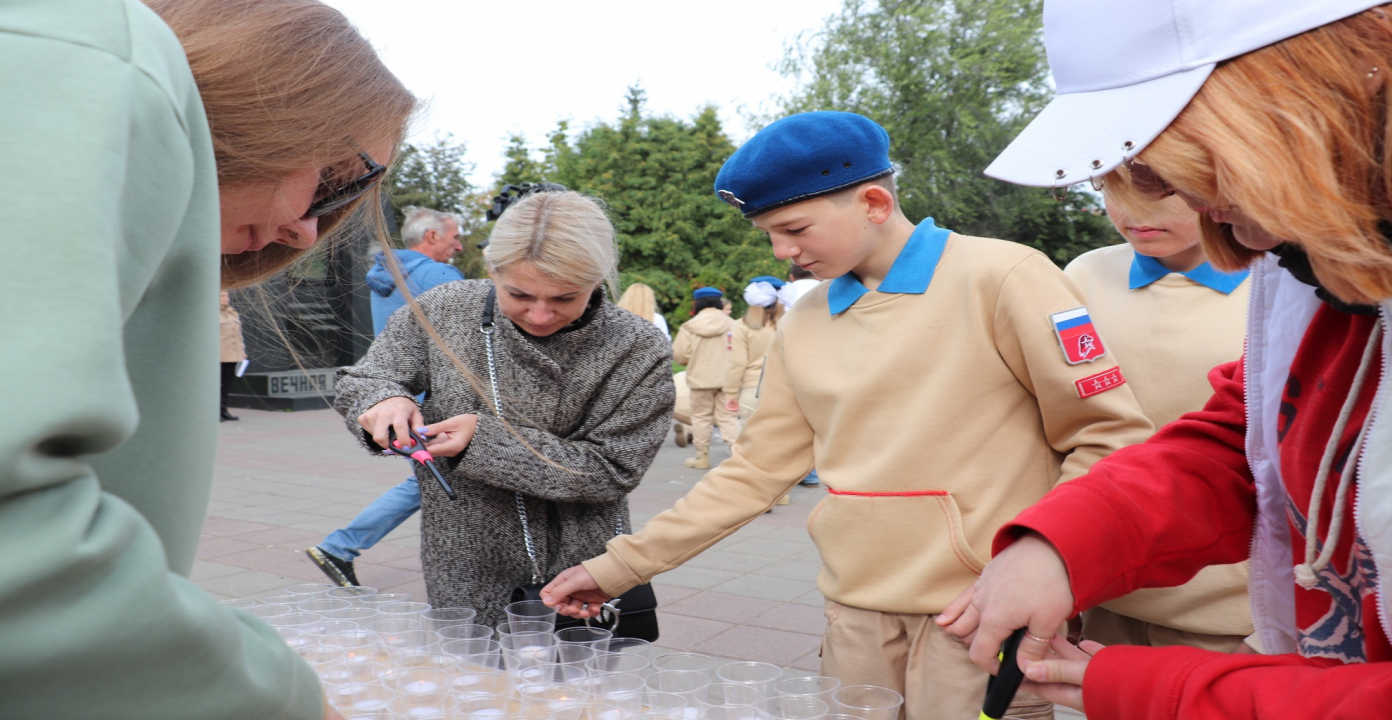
(761, 294)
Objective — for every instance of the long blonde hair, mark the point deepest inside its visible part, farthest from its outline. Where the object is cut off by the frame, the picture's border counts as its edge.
(757, 317)
(1296, 135)
(640, 300)
(288, 84)
(565, 235)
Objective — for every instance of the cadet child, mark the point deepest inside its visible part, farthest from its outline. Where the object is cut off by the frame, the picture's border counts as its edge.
(1172, 318)
(941, 383)
(702, 343)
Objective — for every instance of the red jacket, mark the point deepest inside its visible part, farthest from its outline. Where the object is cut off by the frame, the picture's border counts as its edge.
(1153, 514)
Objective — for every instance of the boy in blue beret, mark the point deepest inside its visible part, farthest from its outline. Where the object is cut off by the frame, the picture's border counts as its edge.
(702, 344)
(940, 383)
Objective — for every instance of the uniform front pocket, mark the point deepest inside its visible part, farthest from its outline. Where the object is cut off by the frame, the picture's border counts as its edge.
(893, 553)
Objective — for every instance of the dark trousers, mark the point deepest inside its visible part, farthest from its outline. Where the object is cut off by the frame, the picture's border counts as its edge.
(229, 371)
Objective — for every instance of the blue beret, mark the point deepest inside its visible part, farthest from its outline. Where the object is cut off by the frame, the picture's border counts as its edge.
(775, 282)
(803, 156)
(706, 292)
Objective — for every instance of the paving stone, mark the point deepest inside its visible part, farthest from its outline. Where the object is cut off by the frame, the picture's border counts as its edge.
(793, 617)
(722, 560)
(668, 594)
(697, 577)
(220, 546)
(814, 599)
(723, 607)
(247, 583)
(207, 570)
(811, 662)
(754, 643)
(767, 588)
(682, 632)
(791, 569)
(767, 548)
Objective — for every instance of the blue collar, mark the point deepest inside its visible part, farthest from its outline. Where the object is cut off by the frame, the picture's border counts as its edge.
(909, 275)
(1146, 270)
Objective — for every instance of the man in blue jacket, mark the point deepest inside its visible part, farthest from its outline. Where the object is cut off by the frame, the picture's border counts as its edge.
(431, 239)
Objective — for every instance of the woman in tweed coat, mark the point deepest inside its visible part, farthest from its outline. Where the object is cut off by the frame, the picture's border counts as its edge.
(586, 393)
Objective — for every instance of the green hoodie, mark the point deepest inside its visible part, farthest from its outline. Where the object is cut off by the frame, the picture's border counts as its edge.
(108, 344)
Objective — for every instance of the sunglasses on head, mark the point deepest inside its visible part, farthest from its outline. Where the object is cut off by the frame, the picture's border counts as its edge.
(349, 192)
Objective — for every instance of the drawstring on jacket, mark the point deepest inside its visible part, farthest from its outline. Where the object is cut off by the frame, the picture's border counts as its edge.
(1305, 573)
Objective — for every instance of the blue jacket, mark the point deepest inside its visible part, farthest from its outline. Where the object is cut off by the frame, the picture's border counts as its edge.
(421, 274)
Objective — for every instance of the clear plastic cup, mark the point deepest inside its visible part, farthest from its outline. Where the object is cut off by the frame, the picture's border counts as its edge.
(428, 659)
(552, 674)
(574, 655)
(620, 690)
(593, 637)
(320, 655)
(354, 593)
(817, 686)
(524, 650)
(488, 707)
(471, 684)
(560, 702)
(508, 627)
(475, 653)
(411, 640)
(530, 611)
(298, 620)
(731, 712)
(283, 599)
(688, 662)
(423, 705)
(412, 610)
(758, 675)
(606, 711)
(349, 639)
(239, 603)
(393, 626)
(795, 707)
(416, 680)
(331, 627)
(356, 699)
(375, 653)
(681, 682)
(668, 704)
(465, 632)
(321, 605)
(359, 615)
(437, 618)
(382, 599)
(727, 694)
(346, 673)
(631, 663)
(266, 612)
(632, 646)
(868, 702)
(311, 589)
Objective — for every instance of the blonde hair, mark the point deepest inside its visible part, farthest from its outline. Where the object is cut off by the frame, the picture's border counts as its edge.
(639, 300)
(565, 235)
(756, 317)
(1296, 135)
(288, 84)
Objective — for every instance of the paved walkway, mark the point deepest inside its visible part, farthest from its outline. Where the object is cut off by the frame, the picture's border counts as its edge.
(284, 480)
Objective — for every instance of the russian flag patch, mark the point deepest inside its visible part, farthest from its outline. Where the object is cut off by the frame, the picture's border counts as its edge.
(1077, 336)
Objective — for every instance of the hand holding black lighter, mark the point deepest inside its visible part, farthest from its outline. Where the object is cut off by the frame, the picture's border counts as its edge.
(1000, 690)
(422, 456)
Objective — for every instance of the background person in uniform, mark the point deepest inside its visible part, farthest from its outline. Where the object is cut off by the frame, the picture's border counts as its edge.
(702, 345)
(799, 282)
(232, 350)
(1272, 121)
(431, 239)
(922, 333)
(586, 393)
(153, 120)
(1171, 317)
(750, 338)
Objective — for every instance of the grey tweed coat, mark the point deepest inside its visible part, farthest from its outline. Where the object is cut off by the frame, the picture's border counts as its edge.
(595, 398)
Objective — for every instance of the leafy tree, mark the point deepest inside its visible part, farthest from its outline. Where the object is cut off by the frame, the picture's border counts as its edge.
(656, 175)
(521, 166)
(435, 175)
(953, 81)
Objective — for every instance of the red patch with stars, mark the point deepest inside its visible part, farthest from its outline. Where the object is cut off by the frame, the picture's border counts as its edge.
(1100, 383)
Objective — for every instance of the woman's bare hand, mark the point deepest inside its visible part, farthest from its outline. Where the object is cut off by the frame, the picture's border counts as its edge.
(1025, 586)
(396, 414)
(575, 593)
(1060, 679)
(448, 438)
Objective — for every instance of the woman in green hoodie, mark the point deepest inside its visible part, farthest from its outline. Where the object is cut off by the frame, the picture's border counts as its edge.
(151, 156)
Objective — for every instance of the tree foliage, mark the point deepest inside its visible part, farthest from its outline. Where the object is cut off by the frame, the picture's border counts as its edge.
(655, 174)
(953, 81)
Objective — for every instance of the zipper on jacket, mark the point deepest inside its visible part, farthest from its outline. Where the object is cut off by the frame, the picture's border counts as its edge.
(1258, 286)
(1378, 398)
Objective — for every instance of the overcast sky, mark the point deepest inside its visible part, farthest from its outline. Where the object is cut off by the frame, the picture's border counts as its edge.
(488, 69)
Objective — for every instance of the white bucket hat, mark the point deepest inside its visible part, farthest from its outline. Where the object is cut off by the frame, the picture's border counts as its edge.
(1125, 69)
